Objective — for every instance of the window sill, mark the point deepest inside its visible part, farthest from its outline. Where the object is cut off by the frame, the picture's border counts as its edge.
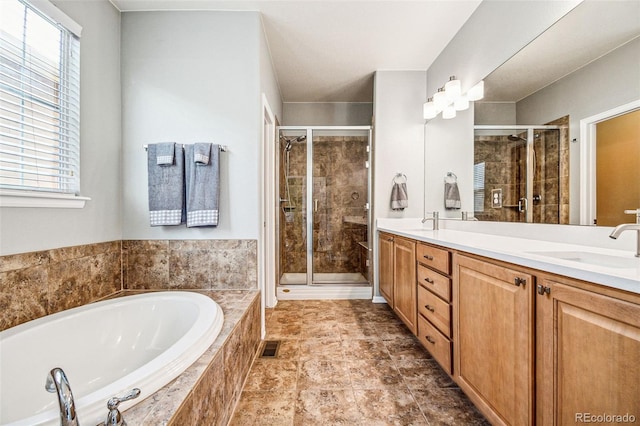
(41, 200)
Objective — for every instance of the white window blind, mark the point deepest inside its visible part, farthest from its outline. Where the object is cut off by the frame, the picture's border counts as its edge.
(478, 187)
(39, 101)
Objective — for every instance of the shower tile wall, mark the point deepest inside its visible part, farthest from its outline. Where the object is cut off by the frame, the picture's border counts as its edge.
(340, 186)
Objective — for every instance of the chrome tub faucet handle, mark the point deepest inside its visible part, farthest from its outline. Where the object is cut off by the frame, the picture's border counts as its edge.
(114, 418)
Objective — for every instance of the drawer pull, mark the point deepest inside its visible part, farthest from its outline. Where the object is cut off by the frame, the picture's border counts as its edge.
(430, 340)
(429, 280)
(520, 281)
(426, 256)
(429, 308)
(543, 290)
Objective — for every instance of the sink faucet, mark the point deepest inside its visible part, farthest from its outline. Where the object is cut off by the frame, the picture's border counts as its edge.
(629, 227)
(435, 218)
(57, 383)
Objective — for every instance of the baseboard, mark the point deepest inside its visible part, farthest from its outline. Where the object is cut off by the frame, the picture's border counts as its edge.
(379, 299)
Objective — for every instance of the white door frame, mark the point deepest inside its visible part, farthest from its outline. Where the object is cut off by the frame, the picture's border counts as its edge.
(588, 159)
(267, 244)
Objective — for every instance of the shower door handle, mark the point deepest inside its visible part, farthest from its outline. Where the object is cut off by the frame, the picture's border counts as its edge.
(522, 204)
(315, 205)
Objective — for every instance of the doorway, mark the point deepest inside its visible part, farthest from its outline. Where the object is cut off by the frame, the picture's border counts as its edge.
(324, 217)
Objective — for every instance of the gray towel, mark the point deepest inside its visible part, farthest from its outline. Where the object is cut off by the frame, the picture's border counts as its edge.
(203, 187)
(165, 153)
(201, 153)
(399, 197)
(451, 196)
(166, 188)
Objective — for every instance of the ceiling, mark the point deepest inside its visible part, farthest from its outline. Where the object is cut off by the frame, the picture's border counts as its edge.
(327, 51)
(589, 31)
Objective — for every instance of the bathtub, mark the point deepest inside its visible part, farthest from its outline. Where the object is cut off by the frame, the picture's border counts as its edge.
(106, 349)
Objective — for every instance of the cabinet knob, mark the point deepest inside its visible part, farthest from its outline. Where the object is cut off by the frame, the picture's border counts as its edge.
(429, 308)
(429, 280)
(426, 256)
(430, 340)
(520, 281)
(542, 290)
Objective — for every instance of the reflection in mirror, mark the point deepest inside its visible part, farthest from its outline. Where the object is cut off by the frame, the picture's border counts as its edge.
(573, 72)
(520, 174)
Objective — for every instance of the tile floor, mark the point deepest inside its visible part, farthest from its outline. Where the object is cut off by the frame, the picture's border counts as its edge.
(348, 362)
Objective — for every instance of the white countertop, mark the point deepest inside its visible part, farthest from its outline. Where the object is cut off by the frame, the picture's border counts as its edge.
(610, 267)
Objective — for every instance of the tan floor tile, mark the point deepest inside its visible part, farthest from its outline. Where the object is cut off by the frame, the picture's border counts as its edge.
(448, 406)
(364, 349)
(329, 348)
(326, 407)
(324, 374)
(315, 330)
(388, 407)
(265, 408)
(288, 331)
(406, 348)
(423, 374)
(289, 350)
(392, 331)
(272, 375)
(357, 331)
(374, 374)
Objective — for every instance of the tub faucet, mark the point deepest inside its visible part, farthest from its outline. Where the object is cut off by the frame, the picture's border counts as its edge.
(629, 227)
(57, 383)
(114, 418)
(435, 216)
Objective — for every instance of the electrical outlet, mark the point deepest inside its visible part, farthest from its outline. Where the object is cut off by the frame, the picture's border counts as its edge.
(496, 198)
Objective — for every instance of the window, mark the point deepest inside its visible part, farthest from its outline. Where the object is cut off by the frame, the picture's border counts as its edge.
(478, 187)
(39, 99)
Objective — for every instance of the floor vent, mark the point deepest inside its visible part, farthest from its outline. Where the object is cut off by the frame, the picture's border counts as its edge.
(270, 349)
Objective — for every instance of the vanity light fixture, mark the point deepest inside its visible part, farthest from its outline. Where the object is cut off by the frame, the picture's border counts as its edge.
(476, 92)
(449, 99)
(449, 112)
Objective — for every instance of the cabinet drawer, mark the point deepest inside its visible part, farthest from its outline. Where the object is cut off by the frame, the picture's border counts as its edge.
(435, 310)
(436, 343)
(434, 257)
(434, 282)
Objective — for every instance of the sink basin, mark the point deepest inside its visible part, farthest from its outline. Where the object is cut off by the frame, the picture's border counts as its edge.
(592, 258)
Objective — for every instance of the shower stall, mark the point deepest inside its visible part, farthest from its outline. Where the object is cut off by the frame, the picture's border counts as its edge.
(324, 215)
(521, 174)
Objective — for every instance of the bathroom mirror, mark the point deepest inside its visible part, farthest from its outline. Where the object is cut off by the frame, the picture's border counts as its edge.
(586, 65)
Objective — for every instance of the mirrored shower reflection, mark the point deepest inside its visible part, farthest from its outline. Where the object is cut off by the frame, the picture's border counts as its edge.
(336, 206)
(521, 174)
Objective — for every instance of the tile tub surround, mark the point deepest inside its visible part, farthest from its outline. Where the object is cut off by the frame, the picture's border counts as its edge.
(348, 362)
(36, 284)
(207, 392)
(190, 264)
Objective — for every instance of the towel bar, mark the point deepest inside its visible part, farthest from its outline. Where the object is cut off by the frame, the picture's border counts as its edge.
(223, 148)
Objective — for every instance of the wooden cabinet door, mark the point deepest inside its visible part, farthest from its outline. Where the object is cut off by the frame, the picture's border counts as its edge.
(593, 366)
(385, 245)
(405, 287)
(494, 339)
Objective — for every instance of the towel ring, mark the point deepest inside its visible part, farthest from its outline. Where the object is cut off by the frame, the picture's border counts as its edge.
(451, 177)
(400, 176)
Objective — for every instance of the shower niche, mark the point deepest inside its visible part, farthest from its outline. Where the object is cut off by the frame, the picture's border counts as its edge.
(323, 205)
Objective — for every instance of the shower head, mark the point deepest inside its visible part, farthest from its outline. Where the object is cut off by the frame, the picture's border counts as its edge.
(300, 138)
(516, 138)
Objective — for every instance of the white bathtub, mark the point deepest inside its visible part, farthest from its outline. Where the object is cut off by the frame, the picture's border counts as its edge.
(105, 349)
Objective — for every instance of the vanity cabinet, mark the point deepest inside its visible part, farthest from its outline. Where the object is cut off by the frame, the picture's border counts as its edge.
(588, 360)
(404, 281)
(397, 276)
(385, 256)
(494, 336)
(434, 302)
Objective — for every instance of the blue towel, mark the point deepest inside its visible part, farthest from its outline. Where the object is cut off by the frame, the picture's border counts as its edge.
(201, 153)
(203, 187)
(166, 188)
(165, 153)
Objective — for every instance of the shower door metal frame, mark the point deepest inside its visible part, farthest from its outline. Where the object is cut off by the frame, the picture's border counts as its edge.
(529, 161)
(309, 181)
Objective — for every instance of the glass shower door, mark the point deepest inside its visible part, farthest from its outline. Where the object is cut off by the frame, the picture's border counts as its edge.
(293, 211)
(339, 206)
